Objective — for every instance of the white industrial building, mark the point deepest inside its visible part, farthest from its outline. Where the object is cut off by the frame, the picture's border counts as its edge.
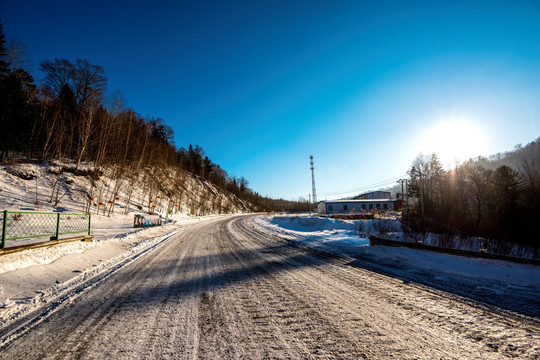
(374, 195)
(357, 206)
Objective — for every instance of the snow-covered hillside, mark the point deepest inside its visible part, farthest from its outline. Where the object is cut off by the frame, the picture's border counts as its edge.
(54, 186)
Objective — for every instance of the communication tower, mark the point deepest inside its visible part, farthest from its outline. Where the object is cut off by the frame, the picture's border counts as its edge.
(313, 180)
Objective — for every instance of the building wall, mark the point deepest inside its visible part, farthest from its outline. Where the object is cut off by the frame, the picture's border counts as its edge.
(340, 207)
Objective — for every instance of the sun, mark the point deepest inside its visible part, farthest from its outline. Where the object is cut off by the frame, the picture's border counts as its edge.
(454, 141)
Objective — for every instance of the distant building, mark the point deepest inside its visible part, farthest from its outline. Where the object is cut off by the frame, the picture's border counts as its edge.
(374, 195)
(363, 205)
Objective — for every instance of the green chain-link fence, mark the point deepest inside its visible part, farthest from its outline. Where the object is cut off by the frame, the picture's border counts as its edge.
(26, 224)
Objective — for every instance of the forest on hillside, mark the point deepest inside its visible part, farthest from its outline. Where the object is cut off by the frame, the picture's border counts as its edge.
(497, 198)
(69, 116)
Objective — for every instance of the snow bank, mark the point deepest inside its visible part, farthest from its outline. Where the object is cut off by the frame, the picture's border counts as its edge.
(340, 235)
(350, 238)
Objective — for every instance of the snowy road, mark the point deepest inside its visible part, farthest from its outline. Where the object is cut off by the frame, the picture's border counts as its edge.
(230, 289)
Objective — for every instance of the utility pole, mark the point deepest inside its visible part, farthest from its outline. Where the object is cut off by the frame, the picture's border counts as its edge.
(422, 194)
(313, 180)
(404, 197)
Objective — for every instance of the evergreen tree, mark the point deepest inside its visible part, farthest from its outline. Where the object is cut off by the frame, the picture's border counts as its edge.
(18, 111)
(3, 94)
(505, 198)
(4, 66)
(208, 167)
(160, 131)
(17, 91)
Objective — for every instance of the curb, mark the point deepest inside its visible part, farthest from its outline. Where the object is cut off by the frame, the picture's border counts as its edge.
(45, 244)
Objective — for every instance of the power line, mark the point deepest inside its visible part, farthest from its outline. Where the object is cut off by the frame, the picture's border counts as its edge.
(364, 188)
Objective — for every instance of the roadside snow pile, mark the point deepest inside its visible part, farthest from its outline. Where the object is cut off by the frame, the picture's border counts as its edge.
(46, 283)
(21, 260)
(341, 235)
(350, 238)
(311, 223)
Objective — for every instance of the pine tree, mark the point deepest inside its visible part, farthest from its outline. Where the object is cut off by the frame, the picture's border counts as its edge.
(17, 91)
(505, 197)
(4, 66)
(18, 111)
(3, 92)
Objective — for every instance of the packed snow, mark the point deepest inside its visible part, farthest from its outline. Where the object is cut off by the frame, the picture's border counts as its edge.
(26, 277)
(30, 278)
(25, 274)
(349, 238)
(229, 288)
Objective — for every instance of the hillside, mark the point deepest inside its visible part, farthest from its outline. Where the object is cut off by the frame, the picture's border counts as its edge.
(56, 186)
(514, 158)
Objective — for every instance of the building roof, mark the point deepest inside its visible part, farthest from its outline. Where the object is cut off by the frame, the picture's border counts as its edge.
(356, 201)
(386, 194)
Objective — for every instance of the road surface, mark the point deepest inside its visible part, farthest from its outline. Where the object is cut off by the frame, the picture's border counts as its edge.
(228, 289)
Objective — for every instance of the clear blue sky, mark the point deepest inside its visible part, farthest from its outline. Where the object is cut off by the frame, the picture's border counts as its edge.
(364, 86)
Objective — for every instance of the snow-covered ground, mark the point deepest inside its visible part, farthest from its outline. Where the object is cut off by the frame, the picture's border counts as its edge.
(53, 186)
(483, 276)
(32, 277)
(29, 277)
(229, 288)
(340, 235)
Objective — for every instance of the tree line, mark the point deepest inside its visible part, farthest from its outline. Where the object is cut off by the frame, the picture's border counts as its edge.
(482, 197)
(67, 116)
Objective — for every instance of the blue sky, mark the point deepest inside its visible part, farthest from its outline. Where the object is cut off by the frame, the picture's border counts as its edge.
(261, 85)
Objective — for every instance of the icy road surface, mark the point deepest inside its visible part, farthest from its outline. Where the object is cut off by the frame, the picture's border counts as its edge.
(231, 289)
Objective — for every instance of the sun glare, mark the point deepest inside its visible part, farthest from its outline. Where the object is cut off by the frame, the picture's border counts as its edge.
(454, 141)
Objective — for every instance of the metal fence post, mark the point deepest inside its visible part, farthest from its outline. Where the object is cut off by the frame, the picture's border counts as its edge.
(57, 226)
(89, 222)
(4, 229)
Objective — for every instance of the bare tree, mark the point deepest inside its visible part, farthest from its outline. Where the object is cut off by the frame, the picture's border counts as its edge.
(90, 84)
(59, 73)
(17, 56)
(85, 84)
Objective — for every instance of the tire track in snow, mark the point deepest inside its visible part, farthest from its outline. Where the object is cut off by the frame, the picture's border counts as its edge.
(227, 289)
(425, 317)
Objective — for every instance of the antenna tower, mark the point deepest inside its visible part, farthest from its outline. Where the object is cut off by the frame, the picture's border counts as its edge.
(313, 180)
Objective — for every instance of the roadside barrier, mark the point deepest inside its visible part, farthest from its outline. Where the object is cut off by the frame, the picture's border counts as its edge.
(373, 240)
(28, 224)
(143, 220)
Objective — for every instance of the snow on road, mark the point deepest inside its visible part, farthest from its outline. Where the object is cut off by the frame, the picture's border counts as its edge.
(514, 286)
(342, 236)
(266, 287)
(27, 278)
